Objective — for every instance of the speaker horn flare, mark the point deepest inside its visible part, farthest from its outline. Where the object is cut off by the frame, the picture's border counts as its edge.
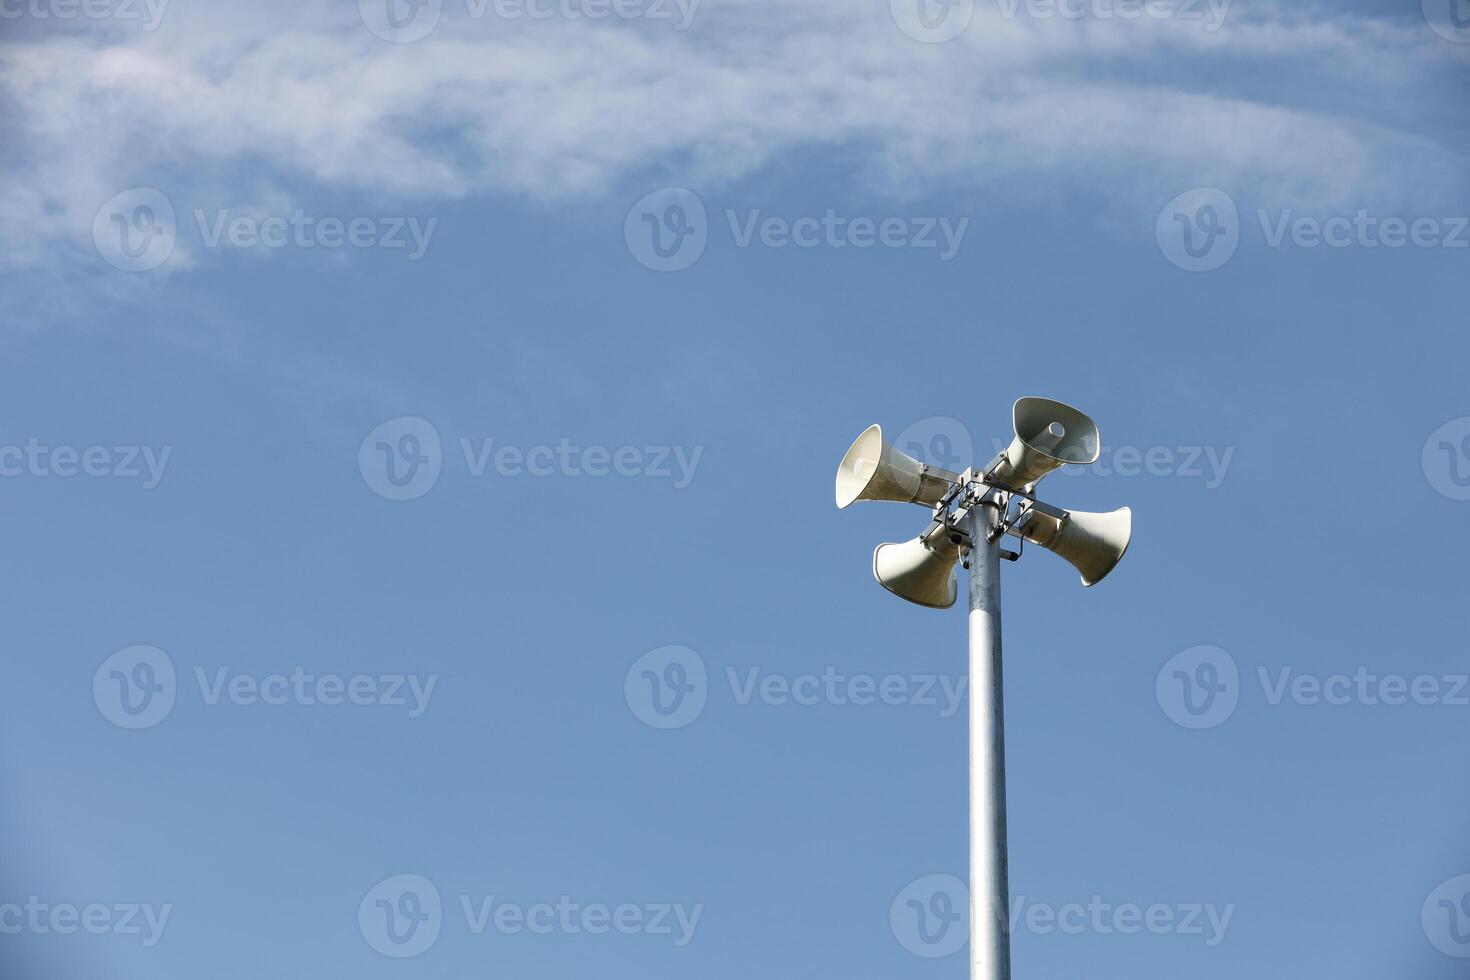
(874, 469)
(1093, 543)
(1048, 434)
(921, 570)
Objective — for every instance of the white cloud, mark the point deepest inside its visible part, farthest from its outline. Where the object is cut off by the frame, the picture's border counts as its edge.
(1274, 105)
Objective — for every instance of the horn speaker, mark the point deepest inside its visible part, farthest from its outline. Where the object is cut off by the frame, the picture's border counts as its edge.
(874, 470)
(1093, 543)
(1048, 434)
(921, 570)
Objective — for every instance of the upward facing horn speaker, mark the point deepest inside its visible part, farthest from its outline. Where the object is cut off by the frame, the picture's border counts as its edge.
(1048, 434)
(921, 570)
(1093, 543)
(874, 470)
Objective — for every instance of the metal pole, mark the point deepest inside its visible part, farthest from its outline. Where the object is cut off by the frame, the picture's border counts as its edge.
(990, 938)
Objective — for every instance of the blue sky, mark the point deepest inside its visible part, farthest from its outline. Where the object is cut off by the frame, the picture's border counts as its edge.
(1241, 248)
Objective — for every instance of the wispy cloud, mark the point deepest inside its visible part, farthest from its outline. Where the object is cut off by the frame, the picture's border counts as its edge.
(1295, 107)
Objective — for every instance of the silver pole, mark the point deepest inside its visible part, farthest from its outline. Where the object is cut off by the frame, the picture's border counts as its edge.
(990, 939)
